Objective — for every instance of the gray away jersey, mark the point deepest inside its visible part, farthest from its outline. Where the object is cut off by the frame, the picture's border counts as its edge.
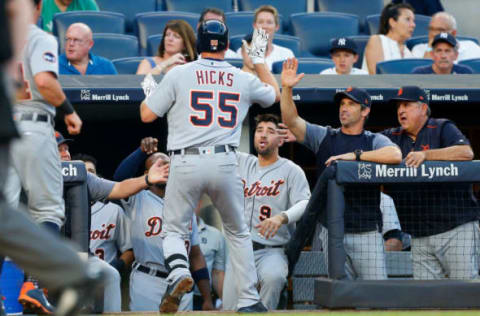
(269, 191)
(109, 231)
(206, 101)
(145, 210)
(39, 55)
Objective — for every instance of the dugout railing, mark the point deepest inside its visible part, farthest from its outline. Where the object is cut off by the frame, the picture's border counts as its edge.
(399, 290)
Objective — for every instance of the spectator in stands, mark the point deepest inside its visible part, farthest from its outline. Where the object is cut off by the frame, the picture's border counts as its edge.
(177, 48)
(397, 23)
(445, 22)
(444, 54)
(344, 55)
(216, 14)
(77, 59)
(50, 7)
(266, 17)
(441, 218)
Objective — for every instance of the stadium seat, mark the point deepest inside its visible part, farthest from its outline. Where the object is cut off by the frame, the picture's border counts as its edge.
(353, 7)
(99, 22)
(114, 46)
(288, 41)
(197, 6)
(241, 22)
(285, 8)
(473, 63)
(424, 39)
(152, 23)
(128, 65)
(153, 42)
(401, 66)
(306, 65)
(361, 41)
(161, 5)
(236, 62)
(128, 8)
(421, 22)
(316, 29)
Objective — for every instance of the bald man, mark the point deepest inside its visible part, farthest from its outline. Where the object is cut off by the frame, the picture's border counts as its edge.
(77, 59)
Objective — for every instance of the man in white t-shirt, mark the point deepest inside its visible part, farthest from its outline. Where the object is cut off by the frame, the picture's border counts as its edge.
(266, 18)
(344, 55)
(445, 22)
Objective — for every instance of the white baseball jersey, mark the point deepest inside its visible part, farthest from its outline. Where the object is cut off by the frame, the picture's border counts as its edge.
(269, 191)
(354, 71)
(211, 100)
(109, 231)
(145, 210)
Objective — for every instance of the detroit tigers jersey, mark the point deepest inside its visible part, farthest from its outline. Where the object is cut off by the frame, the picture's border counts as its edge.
(269, 191)
(145, 209)
(39, 55)
(109, 231)
(208, 107)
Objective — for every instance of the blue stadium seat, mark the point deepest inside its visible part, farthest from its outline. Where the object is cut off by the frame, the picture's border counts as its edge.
(241, 22)
(128, 65)
(99, 22)
(421, 21)
(128, 8)
(473, 63)
(197, 6)
(153, 42)
(306, 65)
(288, 41)
(359, 8)
(316, 29)
(361, 41)
(152, 23)
(236, 42)
(401, 66)
(285, 8)
(114, 46)
(424, 39)
(236, 62)
(161, 5)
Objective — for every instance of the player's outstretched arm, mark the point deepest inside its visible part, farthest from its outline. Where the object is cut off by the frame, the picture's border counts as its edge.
(452, 153)
(146, 114)
(290, 116)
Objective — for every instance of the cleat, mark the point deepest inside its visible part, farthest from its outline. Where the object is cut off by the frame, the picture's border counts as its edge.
(34, 300)
(173, 295)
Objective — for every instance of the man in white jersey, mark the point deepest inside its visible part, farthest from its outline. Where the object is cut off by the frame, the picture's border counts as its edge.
(145, 210)
(276, 192)
(206, 102)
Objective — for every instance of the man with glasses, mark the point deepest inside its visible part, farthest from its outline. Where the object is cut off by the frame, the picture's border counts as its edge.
(77, 59)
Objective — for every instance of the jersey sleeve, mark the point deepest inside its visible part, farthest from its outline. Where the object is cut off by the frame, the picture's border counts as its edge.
(452, 136)
(44, 57)
(124, 242)
(260, 92)
(195, 240)
(163, 97)
(219, 261)
(299, 189)
(314, 136)
(98, 188)
(381, 141)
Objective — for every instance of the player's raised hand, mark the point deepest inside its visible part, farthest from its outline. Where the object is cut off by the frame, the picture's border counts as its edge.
(415, 158)
(286, 135)
(73, 123)
(258, 46)
(149, 145)
(158, 173)
(289, 75)
(269, 227)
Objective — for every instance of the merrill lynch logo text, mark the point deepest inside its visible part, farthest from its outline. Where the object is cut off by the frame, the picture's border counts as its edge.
(69, 171)
(384, 171)
(86, 95)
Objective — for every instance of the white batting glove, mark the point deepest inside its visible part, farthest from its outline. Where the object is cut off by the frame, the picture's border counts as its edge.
(258, 47)
(148, 85)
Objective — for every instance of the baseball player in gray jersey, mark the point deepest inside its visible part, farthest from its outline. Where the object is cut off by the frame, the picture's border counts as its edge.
(276, 192)
(205, 110)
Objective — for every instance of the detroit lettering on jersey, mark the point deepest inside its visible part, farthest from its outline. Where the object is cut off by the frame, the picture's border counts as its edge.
(257, 189)
(103, 234)
(223, 78)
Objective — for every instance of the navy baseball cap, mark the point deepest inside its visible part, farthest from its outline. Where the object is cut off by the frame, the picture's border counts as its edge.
(410, 93)
(445, 38)
(61, 139)
(357, 95)
(343, 43)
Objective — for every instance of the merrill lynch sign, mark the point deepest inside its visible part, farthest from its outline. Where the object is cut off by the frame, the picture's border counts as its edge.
(387, 171)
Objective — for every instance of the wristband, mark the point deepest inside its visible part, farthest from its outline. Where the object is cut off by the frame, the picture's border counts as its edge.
(148, 182)
(66, 107)
(200, 274)
(258, 60)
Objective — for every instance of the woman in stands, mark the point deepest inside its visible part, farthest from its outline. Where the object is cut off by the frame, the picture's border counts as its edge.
(177, 48)
(397, 24)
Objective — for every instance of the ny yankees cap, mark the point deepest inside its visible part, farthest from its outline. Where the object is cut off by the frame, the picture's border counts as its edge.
(357, 95)
(445, 38)
(61, 139)
(343, 43)
(410, 93)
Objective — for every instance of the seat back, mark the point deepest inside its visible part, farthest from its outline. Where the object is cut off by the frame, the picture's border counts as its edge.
(401, 66)
(316, 29)
(196, 6)
(128, 65)
(473, 63)
(306, 65)
(128, 8)
(153, 42)
(421, 24)
(361, 41)
(236, 62)
(114, 46)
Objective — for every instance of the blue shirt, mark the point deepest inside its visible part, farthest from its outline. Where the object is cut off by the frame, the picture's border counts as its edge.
(96, 66)
(457, 69)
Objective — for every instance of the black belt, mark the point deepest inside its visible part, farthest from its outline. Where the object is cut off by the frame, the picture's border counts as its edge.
(198, 150)
(33, 117)
(147, 270)
(258, 246)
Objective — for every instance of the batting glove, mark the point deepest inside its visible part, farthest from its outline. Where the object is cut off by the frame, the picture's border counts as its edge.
(258, 47)
(148, 85)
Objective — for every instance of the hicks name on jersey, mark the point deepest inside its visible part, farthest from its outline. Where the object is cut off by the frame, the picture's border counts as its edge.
(257, 189)
(214, 77)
